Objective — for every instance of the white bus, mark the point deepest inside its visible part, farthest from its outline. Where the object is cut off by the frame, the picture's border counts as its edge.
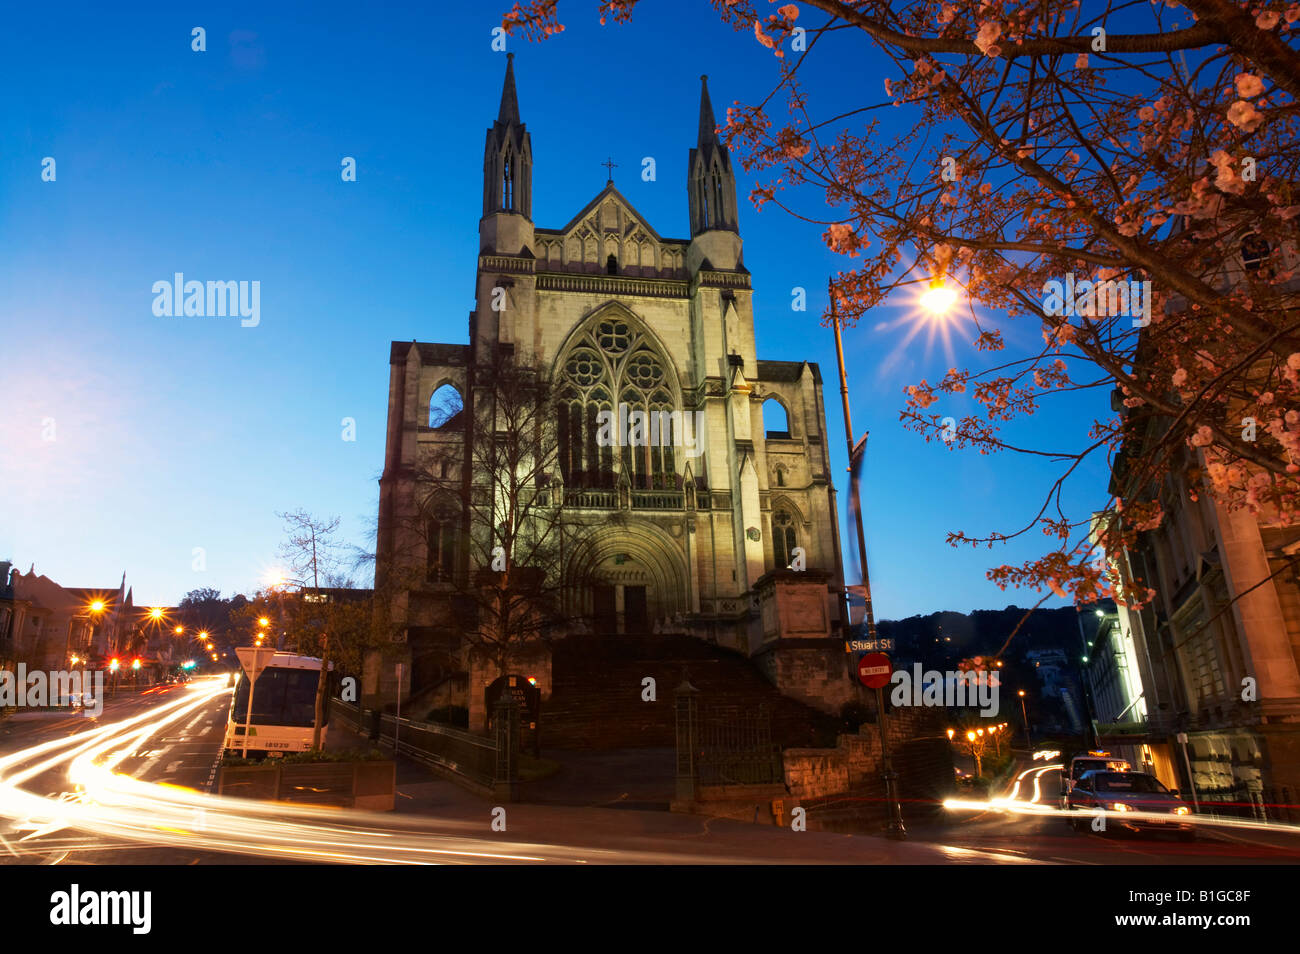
(283, 704)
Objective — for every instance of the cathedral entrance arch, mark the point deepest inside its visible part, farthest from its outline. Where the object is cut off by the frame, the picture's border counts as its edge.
(639, 581)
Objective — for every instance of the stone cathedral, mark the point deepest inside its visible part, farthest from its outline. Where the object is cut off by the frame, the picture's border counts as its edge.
(616, 313)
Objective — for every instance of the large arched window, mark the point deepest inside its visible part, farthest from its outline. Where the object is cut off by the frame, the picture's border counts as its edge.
(776, 422)
(784, 538)
(445, 405)
(508, 183)
(614, 368)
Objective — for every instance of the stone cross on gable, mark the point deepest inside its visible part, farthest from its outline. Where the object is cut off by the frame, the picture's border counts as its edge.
(610, 165)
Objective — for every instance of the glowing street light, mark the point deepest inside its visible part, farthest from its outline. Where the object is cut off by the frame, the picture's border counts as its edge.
(180, 630)
(938, 299)
(263, 622)
(97, 606)
(156, 613)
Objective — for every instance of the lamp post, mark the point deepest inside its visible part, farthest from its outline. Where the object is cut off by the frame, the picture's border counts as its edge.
(1025, 716)
(856, 452)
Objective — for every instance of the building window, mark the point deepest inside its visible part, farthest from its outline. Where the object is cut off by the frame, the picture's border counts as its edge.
(783, 537)
(776, 420)
(717, 197)
(445, 404)
(508, 184)
(611, 265)
(1254, 250)
(611, 365)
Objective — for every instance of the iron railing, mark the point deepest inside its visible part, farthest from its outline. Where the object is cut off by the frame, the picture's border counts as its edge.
(469, 755)
(736, 747)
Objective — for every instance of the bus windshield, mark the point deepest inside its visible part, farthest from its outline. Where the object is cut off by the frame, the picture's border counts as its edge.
(282, 697)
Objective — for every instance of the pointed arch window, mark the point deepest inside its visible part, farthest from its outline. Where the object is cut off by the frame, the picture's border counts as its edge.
(784, 538)
(718, 214)
(613, 368)
(704, 204)
(508, 183)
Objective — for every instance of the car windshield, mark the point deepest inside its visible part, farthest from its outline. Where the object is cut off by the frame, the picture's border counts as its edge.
(1127, 782)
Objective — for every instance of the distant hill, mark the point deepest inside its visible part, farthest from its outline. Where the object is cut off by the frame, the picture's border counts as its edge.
(946, 637)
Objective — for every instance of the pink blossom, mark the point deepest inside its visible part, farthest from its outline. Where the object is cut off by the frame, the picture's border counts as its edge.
(1146, 114)
(987, 38)
(1245, 116)
(1081, 61)
(1249, 85)
(1203, 436)
(1180, 377)
(1267, 19)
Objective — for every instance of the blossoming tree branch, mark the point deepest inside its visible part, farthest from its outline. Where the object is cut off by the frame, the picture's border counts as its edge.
(1059, 164)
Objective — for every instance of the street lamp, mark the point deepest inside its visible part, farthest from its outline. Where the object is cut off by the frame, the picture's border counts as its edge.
(938, 299)
(856, 453)
(1024, 715)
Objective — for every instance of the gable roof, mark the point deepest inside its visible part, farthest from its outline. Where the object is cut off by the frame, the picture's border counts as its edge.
(605, 193)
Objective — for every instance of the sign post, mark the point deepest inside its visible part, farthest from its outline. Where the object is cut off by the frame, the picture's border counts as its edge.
(397, 722)
(254, 659)
(874, 672)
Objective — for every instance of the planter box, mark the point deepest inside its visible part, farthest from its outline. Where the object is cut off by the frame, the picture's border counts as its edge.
(370, 785)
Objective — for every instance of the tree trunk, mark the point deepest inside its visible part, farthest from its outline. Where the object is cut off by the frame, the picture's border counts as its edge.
(319, 714)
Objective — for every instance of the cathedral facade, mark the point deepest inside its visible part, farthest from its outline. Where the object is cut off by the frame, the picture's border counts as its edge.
(627, 325)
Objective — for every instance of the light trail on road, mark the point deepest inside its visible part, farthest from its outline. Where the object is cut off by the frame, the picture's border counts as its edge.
(1012, 804)
(108, 804)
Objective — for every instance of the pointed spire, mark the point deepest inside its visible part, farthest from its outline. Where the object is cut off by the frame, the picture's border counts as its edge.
(708, 127)
(509, 112)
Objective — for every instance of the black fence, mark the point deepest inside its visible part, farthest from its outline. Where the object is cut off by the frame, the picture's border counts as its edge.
(736, 747)
(472, 757)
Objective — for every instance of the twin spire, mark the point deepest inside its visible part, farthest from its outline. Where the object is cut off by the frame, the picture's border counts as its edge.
(508, 165)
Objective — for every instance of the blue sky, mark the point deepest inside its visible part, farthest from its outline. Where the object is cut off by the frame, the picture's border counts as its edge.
(171, 434)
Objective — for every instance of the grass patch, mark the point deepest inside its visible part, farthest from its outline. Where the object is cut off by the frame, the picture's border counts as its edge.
(534, 770)
(310, 758)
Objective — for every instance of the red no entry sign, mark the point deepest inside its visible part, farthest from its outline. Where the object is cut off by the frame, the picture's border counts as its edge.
(874, 670)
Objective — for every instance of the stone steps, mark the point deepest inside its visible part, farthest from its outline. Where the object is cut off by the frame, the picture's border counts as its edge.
(596, 698)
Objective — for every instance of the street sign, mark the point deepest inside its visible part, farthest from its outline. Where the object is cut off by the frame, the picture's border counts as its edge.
(874, 670)
(255, 659)
(869, 646)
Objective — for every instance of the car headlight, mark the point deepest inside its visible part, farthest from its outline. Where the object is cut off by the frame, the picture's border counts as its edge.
(1182, 810)
(1119, 806)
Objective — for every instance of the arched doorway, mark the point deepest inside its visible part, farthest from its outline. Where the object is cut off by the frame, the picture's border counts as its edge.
(635, 580)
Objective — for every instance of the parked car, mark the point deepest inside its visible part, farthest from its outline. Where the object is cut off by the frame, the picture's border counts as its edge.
(1124, 796)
